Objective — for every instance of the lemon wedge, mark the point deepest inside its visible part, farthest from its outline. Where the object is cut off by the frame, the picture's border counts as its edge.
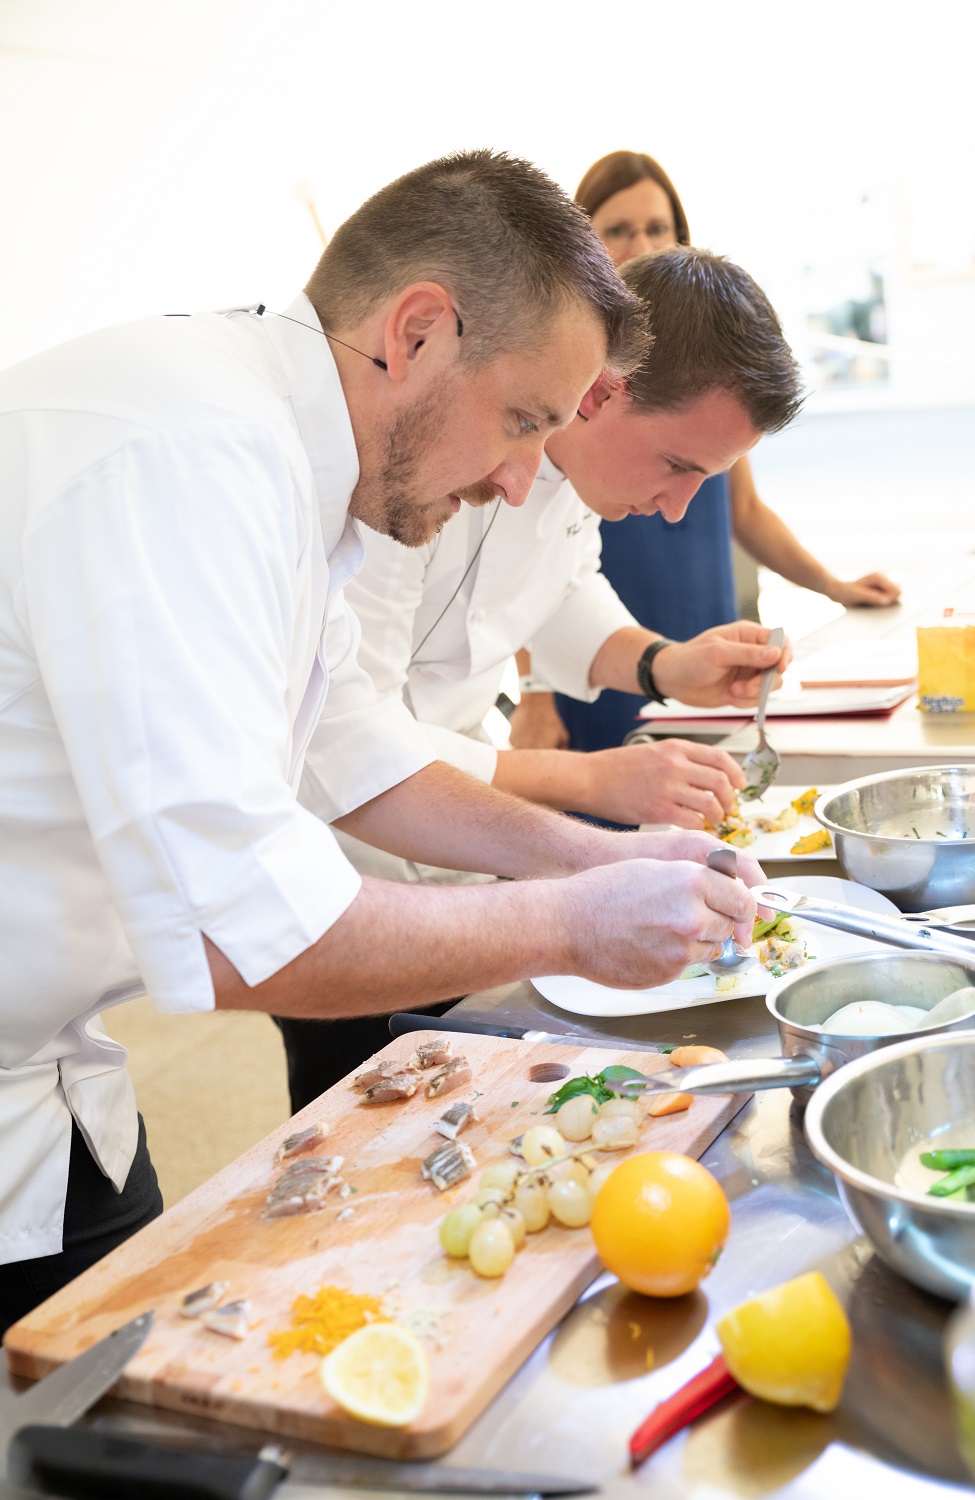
(791, 1345)
(379, 1374)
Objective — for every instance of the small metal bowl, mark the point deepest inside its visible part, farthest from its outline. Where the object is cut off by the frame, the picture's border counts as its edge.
(909, 834)
(803, 999)
(862, 1122)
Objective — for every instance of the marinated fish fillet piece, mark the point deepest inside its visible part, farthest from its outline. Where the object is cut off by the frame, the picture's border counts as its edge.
(453, 1076)
(302, 1140)
(450, 1163)
(395, 1086)
(303, 1187)
(203, 1299)
(431, 1054)
(233, 1319)
(378, 1073)
(455, 1119)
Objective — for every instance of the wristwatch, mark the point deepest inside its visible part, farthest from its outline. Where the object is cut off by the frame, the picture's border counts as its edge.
(644, 671)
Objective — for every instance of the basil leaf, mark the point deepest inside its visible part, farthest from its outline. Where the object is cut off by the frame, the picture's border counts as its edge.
(617, 1071)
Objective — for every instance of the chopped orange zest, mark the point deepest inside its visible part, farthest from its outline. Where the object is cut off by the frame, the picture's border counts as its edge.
(670, 1104)
(689, 1057)
(320, 1323)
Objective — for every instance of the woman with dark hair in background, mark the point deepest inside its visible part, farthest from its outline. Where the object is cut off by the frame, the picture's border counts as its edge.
(675, 578)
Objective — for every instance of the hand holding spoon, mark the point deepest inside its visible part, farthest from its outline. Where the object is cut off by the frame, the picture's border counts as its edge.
(732, 959)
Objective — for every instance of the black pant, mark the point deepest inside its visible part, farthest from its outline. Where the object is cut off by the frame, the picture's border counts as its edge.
(96, 1219)
(321, 1052)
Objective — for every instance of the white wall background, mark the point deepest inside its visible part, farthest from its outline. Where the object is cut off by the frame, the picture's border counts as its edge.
(156, 156)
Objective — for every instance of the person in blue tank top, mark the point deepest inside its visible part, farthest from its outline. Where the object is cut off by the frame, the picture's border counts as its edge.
(675, 578)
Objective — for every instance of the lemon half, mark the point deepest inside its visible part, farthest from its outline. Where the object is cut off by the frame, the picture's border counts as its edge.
(379, 1374)
(791, 1345)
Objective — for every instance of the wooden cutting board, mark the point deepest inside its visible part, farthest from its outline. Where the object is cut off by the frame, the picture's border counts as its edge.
(478, 1332)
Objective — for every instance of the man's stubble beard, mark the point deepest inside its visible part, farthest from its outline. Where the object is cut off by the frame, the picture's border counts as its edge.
(389, 503)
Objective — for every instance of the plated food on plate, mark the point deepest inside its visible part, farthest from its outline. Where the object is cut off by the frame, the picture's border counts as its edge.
(780, 824)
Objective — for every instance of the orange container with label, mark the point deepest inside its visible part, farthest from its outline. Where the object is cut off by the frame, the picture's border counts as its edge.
(946, 664)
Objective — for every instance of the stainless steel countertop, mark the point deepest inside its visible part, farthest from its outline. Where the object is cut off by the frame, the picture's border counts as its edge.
(586, 1389)
(573, 1405)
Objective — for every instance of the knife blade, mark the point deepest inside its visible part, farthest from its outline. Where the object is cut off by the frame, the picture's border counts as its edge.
(62, 1396)
(406, 1021)
(354, 1470)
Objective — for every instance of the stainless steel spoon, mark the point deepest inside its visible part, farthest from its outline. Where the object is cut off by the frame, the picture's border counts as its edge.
(732, 959)
(761, 765)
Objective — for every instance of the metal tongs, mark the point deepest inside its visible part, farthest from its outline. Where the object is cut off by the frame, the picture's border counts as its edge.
(895, 930)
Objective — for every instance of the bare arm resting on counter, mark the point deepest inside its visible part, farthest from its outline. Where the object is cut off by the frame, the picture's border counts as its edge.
(768, 539)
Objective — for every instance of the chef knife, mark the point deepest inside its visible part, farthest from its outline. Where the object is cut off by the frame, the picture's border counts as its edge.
(96, 1462)
(406, 1021)
(38, 1447)
(66, 1393)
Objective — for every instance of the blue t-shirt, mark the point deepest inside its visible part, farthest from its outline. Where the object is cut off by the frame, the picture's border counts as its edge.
(676, 578)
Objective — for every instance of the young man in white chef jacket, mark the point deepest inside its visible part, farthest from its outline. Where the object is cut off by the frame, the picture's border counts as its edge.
(178, 521)
(440, 622)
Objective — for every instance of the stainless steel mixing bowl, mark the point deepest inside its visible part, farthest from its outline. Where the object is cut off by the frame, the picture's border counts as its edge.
(802, 1001)
(864, 1120)
(909, 834)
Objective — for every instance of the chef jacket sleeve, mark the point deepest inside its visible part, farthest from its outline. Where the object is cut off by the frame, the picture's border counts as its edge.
(160, 591)
(364, 742)
(590, 611)
(385, 598)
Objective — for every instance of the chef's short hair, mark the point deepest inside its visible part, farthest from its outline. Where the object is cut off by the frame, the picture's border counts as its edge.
(508, 245)
(713, 329)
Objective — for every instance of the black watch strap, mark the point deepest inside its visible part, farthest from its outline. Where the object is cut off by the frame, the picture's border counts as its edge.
(644, 671)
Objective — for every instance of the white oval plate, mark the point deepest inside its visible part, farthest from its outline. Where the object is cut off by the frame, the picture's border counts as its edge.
(582, 997)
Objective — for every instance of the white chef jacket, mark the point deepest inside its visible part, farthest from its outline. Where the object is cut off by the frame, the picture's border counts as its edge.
(442, 640)
(174, 542)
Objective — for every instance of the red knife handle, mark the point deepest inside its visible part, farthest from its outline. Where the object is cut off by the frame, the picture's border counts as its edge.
(683, 1407)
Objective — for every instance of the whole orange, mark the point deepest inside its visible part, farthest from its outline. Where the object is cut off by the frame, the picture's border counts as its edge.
(659, 1222)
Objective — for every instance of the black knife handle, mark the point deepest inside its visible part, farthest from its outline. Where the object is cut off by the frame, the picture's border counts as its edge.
(87, 1463)
(405, 1021)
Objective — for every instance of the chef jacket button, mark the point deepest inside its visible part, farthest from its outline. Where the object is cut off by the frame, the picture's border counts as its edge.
(479, 616)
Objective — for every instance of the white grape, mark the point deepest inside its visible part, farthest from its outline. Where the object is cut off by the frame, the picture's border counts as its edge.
(491, 1249)
(574, 1118)
(570, 1203)
(516, 1225)
(457, 1228)
(540, 1144)
(531, 1201)
(501, 1175)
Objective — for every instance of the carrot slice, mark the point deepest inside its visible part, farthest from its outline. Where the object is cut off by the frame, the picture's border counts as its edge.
(689, 1057)
(670, 1104)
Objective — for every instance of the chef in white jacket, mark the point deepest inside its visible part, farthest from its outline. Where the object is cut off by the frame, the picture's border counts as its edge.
(179, 517)
(440, 622)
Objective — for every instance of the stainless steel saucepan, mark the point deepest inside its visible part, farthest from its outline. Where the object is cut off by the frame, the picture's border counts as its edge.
(802, 1001)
